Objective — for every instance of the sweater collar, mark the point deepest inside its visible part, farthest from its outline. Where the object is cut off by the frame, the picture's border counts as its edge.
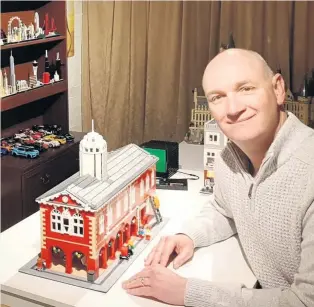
(286, 142)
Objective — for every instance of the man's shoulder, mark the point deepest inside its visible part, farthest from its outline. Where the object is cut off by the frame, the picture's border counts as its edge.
(305, 152)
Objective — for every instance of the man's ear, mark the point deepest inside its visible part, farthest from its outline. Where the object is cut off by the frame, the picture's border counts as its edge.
(279, 88)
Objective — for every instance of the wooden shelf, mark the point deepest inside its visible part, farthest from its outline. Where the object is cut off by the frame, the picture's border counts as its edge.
(19, 99)
(32, 42)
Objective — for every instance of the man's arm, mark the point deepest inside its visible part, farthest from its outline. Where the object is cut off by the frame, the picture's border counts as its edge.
(202, 293)
(213, 224)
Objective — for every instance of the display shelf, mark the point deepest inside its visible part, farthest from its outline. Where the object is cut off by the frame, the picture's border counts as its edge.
(19, 99)
(32, 42)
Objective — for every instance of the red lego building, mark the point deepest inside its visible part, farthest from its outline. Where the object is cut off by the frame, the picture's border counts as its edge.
(87, 218)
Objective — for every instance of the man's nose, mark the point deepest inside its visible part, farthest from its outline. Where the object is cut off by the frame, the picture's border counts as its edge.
(234, 105)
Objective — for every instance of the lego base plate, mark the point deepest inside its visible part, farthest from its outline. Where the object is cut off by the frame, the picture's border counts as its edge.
(106, 280)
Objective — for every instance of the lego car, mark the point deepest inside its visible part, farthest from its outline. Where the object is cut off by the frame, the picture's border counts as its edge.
(4, 151)
(25, 151)
(69, 137)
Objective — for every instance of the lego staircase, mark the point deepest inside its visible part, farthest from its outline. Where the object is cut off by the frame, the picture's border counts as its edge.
(154, 207)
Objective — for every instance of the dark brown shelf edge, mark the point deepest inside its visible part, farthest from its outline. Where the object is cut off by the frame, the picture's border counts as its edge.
(33, 42)
(14, 101)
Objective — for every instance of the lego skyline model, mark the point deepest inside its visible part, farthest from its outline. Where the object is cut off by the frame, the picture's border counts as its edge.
(95, 223)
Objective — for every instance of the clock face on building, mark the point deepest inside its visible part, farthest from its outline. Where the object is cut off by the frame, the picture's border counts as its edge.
(65, 199)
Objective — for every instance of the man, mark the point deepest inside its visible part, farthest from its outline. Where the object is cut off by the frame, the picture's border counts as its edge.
(264, 192)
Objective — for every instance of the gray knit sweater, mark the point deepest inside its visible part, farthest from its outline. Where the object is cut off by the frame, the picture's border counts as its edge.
(273, 215)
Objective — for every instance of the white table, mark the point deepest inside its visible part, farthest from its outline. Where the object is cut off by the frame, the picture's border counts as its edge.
(19, 244)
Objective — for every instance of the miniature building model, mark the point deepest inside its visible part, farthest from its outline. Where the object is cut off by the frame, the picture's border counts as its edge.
(214, 142)
(301, 108)
(87, 218)
(199, 116)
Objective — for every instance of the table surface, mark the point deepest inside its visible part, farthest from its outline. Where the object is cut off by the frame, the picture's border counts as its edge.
(19, 244)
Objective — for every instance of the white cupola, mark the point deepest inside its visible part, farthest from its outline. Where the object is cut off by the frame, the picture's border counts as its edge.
(93, 155)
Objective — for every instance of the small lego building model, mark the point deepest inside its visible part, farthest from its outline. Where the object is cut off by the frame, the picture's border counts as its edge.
(214, 142)
(95, 219)
(301, 107)
(199, 116)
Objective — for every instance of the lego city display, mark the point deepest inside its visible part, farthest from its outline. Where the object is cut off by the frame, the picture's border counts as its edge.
(95, 223)
(21, 32)
(52, 74)
(214, 142)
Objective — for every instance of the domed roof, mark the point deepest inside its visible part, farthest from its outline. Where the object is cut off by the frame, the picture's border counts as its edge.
(92, 139)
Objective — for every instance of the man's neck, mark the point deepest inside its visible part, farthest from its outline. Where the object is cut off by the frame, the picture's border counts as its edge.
(256, 151)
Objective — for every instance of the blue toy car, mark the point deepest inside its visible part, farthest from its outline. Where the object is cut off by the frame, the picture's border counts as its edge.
(25, 151)
(4, 151)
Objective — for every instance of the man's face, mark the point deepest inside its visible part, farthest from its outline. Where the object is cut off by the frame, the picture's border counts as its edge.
(241, 98)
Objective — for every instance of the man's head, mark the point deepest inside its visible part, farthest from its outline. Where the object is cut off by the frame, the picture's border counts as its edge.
(244, 95)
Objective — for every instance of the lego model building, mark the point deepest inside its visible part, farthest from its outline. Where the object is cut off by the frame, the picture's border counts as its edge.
(199, 116)
(301, 107)
(97, 218)
(214, 142)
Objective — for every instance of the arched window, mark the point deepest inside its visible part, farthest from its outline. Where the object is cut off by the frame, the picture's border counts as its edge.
(142, 188)
(66, 221)
(78, 225)
(101, 224)
(109, 215)
(126, 202)
(56, 221)
(147, 184)
(152, 178)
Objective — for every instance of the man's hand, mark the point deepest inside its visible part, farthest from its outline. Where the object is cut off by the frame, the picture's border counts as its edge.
(158, 282)
(180, 243)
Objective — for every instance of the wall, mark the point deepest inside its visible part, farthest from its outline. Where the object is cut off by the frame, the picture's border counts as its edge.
(75, 72)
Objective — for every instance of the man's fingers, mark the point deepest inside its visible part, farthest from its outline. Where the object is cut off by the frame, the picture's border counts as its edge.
(143, 274)
(167, 251)
(159, 251)
(141, 291)
(150, 257)
(182, 257)
(138, 282)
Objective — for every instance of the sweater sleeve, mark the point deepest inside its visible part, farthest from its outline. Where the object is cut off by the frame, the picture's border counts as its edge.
(213, 224)
(202, 293)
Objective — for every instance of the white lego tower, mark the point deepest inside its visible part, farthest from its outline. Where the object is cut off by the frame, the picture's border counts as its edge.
(93, 155)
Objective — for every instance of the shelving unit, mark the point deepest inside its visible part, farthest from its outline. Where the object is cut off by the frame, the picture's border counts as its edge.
(23, 180)
(32, 42)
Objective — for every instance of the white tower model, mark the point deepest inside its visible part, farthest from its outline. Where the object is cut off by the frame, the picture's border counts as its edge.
(93, 155)
(12, 73)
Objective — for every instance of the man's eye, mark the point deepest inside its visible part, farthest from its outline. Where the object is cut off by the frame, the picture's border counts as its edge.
(246, 88)
(214, 98)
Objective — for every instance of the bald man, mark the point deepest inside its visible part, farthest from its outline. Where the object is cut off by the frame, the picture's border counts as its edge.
(264, 192)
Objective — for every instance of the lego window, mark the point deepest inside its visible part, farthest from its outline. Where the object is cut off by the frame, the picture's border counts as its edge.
(126, 203)
(101, 224)
(152, 178)
(118, 210)
(142, 188)
(133, 195)
(212, 138)
(66, 221)
(56, 221)
(147, 183)
(109, 215)
(97, 149)
(91, 149)
(78, 226)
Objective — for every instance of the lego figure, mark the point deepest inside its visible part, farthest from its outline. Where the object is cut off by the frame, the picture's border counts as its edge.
(141, 231)
(40, 265)
(148, 233)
